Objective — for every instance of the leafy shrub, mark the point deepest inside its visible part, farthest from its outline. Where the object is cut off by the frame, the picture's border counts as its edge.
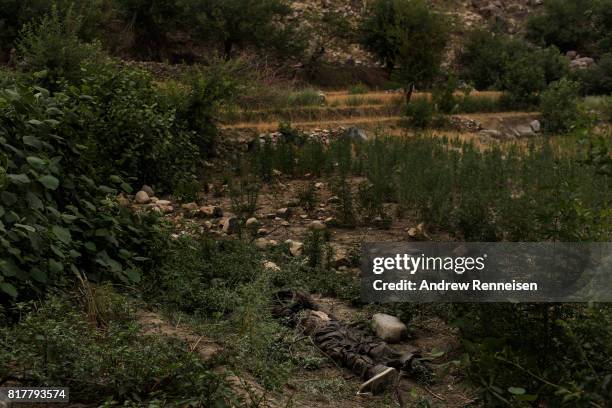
(443, 95)
(419, 114)
(358, 89)
(52, 49)
(559, 106)
(56, 220)
(306, 97)
(55, 344)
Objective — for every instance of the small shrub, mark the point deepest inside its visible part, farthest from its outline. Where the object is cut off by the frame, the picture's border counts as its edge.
(51, 48)
(419, 114)
(307, 196)
(358, 89)
(306, 97)
(559, 106)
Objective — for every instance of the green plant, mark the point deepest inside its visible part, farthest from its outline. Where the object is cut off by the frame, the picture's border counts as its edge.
(56, 220)
(419, 114)
(51, 48)
(54, 343)
(559, 106)
(358, 89)
(408, 37)
(307, 196)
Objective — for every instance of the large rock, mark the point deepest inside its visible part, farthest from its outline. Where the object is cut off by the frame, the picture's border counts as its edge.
(356, 134)
(295, 248)
(142, 198)
(536, 126)
(252, 223)
(389, 328)
(211, 211)
(317, 226)
(283, 213)
(147, 190)
(524, 131)
(230, 225)
(582, 63)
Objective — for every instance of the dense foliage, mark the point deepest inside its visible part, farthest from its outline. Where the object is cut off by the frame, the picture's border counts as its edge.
(408, 37)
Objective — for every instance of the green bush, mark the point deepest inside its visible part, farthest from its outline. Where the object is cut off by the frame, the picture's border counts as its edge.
(51, 48)
(559, 106)
(55, 219)
(54, 343)
(419, 114)
(596, 80)
(358, 89)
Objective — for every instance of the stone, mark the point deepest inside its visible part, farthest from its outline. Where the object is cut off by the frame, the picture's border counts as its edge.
(333, 200)
(154, 199)
(252, 223)
(142, 198)
(571, 54)
(189, 207)
(524, 131)
(264, 243)
(163, 203)
(147, 190)
(211, 211)
(330, 222)
(167, 209)
(388, 328)
(262, 232)
(536, 126)
(269, 265)
(230, 225)
(582, 63)
(317, 226)
(319, 185)
(295, 248)
(495, 134)
(356, 134)
(283, 212)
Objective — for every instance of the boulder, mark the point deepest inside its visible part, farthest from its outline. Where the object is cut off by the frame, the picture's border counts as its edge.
(230, 225)
(262, 232)
(536, 126)
(283, 212)
(252, 223)
(211, 211)
(582, 63)
(295, 248)
(524, 131)
(317, 226)
(389, 328)
(333, 200)
(269, 265)
(142, 198)
(147, 190)
(264, 243)
(163, 203)
(355, 134)
(189, 207)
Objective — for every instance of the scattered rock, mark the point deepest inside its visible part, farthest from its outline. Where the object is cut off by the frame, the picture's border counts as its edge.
(271, 266)
(356, 134)
(230, 225)
(189, 207)
(147, 190)
(582, 63)
(283, 212)
(163, 203)
(317, 226)
(495, 134)
(536, 126)
(295, 248)
(333, 200)
(262, 232)
(211, 211)
(319, 185)
(252, 223)
(524, 131)
(389, 328)
(142, 198)
(264, 243)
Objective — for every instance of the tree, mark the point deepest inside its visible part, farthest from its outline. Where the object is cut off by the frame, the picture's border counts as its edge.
(255, 23)
(408, 37)
(559, 106)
